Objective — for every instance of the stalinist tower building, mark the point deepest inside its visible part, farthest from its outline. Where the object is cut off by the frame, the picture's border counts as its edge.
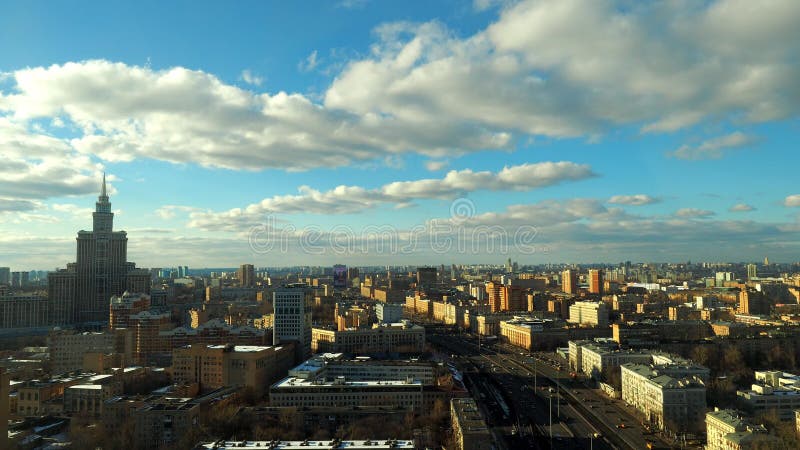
(81, 294)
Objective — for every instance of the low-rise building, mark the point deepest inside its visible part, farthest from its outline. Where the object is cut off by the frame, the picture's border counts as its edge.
(773, 391)
(667, 403)
(215, 366)
(727, 430)
(334, 444)
(402, 337)
(469, 429)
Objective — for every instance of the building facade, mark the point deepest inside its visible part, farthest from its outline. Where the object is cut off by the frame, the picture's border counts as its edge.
(292, 317)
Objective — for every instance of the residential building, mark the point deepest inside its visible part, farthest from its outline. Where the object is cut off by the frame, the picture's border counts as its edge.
(569, 281)
(596, 281)
(5, 407)
(122, 307)
(589, 313)
(773, 391)
(246, 275)
(335, 444)
(667, 403)
(727, 430)
(164, 422)
(389, 313)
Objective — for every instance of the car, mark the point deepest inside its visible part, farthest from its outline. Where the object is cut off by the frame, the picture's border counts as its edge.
(621, 425)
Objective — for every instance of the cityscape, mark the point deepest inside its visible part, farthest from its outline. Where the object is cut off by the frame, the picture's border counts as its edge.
(450, 225)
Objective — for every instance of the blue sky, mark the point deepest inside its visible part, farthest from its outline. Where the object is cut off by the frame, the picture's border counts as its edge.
(657, 131)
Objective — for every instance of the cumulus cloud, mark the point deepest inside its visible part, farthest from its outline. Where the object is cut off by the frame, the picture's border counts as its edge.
(37, 166)
(714, 148)
(555, 68)
(251, 78)
(693, 213)
(355, 199)
(633, 200)
(742, 207)
(179, 115)
(9, 205)
(792, 200)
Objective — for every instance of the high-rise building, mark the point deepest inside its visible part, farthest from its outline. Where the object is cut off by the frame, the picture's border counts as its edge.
(5, 275)
(589, 313)
(426, 277)
(752, 271)
(596, 281)
(339, 276)
(569, 281)
(100, 272)
(247, 275)
(292, 305)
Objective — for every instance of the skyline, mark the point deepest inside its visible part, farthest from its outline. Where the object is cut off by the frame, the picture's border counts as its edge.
(660, 132)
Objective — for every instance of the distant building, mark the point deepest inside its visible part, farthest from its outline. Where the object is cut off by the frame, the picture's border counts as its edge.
(569, 281)
(402, 337)
(292, 319)
(596, 281)
(340, 276)
(247, 275)
(164, 422)
(589, 313)
(389, 313)
(122, 307)
(426, 277)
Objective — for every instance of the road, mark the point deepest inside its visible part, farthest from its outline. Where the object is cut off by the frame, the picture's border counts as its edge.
(525, 422)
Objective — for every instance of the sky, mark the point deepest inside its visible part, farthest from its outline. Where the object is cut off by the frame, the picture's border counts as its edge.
(389, 133)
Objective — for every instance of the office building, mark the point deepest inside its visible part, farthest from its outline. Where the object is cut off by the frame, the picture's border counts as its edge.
(752, 271)
(24, 311)
(469, 429)
(246, 275)
(596, 281)
(589, 313)
(67, 348)
(667, 403)
(773, 391)
(309, 386)
(401, 337)
(5, 275)
(217, 366)
(292, 317)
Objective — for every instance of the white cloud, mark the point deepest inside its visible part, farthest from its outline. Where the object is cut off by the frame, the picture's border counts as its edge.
(633, 200)
(72, 210)
(15, 205)
(556, 68)
(179, 115)
(309, 63)
(356, 199)
(693, 213)
(742, 207)
(435, 166)
(167, 212)
(792, 200)
(714, 148)
(251, 78)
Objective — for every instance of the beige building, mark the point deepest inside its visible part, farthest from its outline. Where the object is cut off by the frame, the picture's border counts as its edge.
(520, 331)
(773, 391)
(403, 337)
(88, 397)
(727, 430)
(589, 313)
(67, 348)
(667, 403)
(215, 366)
(165, 422)
(469, 429)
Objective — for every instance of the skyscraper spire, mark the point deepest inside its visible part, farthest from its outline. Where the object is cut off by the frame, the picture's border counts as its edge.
(103, 191)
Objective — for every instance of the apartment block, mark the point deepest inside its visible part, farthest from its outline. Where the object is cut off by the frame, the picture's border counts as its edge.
(469, 429)
(402, 337)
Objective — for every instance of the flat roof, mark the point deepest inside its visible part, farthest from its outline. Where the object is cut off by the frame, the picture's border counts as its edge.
(304, 445)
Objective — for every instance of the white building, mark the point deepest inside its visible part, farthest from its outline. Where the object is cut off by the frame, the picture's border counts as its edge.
(388, 312)
(726, 430)
(589, 313)
(292, 318)
(677, 404)
(773, 390)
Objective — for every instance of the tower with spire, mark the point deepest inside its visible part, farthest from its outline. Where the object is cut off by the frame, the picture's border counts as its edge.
(82, 293)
